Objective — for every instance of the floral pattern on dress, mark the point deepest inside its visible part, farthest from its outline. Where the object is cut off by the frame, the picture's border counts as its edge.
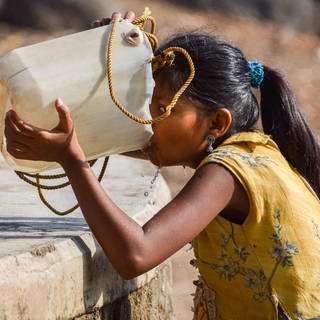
(298, 315)
(316, 229)
(249, 157)
(282, 251)
(232, 263)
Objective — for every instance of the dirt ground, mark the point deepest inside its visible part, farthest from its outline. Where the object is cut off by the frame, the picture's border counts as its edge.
(295, 54)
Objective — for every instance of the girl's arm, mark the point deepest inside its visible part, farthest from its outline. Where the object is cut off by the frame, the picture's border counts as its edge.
(131, 249)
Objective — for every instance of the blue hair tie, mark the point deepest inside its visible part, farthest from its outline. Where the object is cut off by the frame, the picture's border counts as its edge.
(256, 72)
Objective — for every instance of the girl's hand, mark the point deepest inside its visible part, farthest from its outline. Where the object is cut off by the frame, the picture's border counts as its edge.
(129, 15)
(60, 144)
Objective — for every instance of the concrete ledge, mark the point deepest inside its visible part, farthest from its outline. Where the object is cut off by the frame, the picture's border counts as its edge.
(51, 267)
(149, 302)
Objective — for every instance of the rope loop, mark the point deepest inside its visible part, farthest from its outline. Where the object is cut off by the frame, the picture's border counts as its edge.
(40, 187)
(141, 22)
(166, 58)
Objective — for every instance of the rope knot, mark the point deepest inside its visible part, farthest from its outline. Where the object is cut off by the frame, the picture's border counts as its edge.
(168, 110)
(165, 115)
(164, 59)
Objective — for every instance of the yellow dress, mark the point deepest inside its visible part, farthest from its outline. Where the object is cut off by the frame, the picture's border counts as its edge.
(272, 260)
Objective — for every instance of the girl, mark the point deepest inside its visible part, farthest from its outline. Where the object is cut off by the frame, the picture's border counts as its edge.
(251, 209)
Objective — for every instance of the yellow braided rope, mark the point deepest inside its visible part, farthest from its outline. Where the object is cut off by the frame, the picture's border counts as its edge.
(22, 176)
(190, 78)
(141, 22)
(152, 39)
(26, 177)
(63, 213)
(166, 52)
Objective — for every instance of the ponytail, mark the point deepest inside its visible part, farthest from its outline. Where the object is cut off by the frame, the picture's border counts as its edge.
(223, 79)
(282, 119)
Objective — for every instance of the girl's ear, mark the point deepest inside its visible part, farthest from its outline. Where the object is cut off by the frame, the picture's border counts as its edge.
(220, 122)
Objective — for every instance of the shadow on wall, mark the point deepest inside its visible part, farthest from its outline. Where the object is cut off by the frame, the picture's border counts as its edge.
(53, 15)
(97, 273)
(40, 227)
(300, 14)
(101, 282)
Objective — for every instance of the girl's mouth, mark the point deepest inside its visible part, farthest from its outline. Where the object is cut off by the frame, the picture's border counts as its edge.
(150, 151)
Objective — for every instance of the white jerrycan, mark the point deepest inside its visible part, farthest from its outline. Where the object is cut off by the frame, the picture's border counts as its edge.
(74, 68)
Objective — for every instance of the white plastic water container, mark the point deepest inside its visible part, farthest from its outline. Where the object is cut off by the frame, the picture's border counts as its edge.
(74, 68)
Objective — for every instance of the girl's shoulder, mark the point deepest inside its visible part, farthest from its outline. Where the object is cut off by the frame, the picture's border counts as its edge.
(245, 148)
(256, 162)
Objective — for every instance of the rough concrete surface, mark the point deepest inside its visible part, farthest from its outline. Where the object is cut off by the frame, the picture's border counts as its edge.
(149, 302)
(51, 267)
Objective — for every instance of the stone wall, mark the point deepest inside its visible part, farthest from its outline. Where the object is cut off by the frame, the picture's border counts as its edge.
(150, 302)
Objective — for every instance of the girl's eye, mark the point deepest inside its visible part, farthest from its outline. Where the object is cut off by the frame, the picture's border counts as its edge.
(162, 109)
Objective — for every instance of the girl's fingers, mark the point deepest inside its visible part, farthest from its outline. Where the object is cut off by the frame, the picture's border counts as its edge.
(115, 16)
(14, 121)
(17, 149)
(17, 153)
(95, 24)
(22, 153)
(105, 21)
(65, 121)
(10, 131)
(16, 141)
(25, 128)
(130, 16)
(99, 23)
(13, 132)
(16, 145)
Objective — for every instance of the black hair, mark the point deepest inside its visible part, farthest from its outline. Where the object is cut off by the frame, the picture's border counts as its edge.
(222, 80)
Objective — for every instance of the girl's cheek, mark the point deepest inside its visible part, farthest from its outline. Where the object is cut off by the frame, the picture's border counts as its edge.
(156, 127)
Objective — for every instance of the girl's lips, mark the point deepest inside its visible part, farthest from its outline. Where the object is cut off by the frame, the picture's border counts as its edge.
(150, 150)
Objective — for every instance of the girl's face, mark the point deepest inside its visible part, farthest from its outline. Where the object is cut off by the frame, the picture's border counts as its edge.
(180, 138)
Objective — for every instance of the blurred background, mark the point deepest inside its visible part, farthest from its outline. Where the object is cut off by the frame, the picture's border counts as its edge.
(282, 34)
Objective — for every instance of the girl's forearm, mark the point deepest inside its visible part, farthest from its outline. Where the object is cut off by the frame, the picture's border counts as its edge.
(120, 236)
